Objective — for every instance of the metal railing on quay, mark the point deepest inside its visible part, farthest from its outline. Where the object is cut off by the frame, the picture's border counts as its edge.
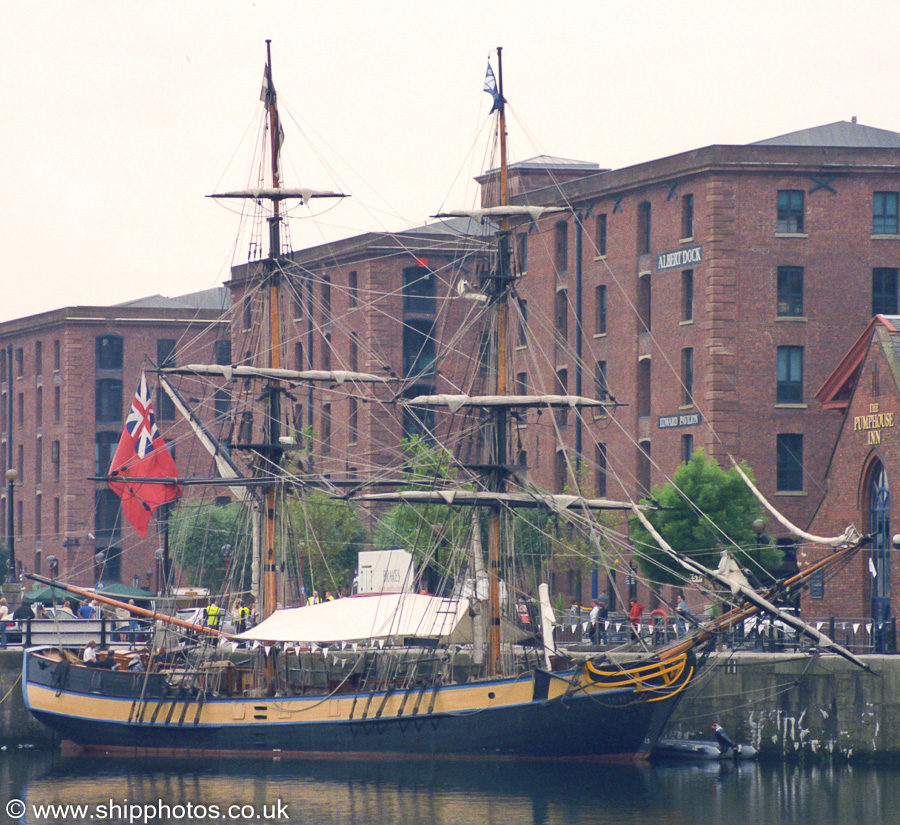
(74, 633)
(762, 634)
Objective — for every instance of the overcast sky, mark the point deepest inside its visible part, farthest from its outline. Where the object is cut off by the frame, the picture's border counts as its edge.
(119, 117)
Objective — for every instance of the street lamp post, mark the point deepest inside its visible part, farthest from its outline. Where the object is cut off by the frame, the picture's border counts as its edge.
(99, 562)
(11, 478)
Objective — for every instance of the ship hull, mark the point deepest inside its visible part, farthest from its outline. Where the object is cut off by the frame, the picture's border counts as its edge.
(539, 715)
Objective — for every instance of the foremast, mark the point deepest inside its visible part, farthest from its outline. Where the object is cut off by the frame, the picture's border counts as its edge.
(271, 269)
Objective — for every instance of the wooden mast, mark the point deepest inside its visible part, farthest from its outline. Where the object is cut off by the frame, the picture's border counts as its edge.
(498, 462)
(273, 388)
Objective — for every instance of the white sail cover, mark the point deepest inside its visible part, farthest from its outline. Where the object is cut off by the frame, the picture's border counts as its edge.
(456, 402)
(232, 373)
(508, 211)
(362, 618)
(280, 194)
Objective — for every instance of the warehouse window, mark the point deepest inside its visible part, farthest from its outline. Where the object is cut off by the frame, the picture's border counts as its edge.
(790, 375)
(790, 211)
(884, 291)
(789, 462)
(884, 213)
(687, 295)
(687, 216)
(790, 291)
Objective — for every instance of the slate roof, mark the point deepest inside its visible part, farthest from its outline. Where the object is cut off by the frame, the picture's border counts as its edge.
(844, 133)
(551, 162)
(217, 298)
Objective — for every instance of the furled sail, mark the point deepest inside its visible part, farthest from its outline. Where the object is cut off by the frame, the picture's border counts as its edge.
(850, 536)
(233, 373)
(457, 402)
(262, 193)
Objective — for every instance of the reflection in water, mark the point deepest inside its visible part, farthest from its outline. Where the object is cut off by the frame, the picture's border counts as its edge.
(446, 792)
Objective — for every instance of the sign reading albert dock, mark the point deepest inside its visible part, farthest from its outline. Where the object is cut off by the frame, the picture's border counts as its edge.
(688, 256)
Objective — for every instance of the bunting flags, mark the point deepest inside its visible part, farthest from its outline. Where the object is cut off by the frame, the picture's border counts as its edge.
(142, 453)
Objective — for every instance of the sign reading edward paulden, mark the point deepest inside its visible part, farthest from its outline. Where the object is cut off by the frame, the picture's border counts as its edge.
(688, 256)
(666, 422)
(873, 423)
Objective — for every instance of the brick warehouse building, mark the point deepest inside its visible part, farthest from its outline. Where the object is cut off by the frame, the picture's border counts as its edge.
(378, 303)
(714, 294)
(70, 375)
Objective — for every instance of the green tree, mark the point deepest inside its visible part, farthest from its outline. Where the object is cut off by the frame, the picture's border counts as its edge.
(703, 510)
(429, 531)
(329, 535)
(199, 531)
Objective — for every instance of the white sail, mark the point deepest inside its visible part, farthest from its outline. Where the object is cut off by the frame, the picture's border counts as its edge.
(509, 211)
(458, 401)
(734, 584)
(234, 373)
(303, 194)
(468, 498)
(849, 536)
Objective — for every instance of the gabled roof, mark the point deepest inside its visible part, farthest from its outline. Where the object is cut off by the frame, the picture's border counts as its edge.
(837, 390)
(843, 133)
(216, 298)
(551, 162)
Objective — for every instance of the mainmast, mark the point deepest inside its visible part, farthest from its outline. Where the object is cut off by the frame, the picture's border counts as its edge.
(498, 460)
(273, 387)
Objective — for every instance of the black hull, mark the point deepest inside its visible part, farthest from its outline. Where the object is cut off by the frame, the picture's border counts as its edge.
(620, 725)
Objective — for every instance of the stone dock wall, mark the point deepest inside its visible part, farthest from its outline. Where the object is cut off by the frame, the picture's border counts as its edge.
(17, 725)
(788, 706)
(796, 706)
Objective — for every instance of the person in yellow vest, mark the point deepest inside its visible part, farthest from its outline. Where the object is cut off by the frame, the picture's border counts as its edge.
(241, 616)
(213, 615)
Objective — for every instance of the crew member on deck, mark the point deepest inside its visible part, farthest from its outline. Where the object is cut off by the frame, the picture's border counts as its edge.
(213, 615)
(89, 657)
(241, 616)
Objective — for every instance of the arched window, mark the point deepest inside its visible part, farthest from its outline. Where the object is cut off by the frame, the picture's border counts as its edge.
(879, 553)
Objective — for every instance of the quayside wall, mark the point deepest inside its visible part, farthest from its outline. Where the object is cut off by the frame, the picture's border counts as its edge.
(797, 706)
(788, 706)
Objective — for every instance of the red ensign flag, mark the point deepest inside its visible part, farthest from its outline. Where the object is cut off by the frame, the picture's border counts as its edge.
(142, 453)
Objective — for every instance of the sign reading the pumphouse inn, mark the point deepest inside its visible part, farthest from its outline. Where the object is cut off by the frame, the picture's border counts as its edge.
(688, 256)
(873, 423)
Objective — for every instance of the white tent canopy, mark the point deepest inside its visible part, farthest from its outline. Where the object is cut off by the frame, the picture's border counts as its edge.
(360, 618)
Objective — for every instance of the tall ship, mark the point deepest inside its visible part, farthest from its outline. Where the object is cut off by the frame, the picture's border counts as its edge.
(463, 663)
